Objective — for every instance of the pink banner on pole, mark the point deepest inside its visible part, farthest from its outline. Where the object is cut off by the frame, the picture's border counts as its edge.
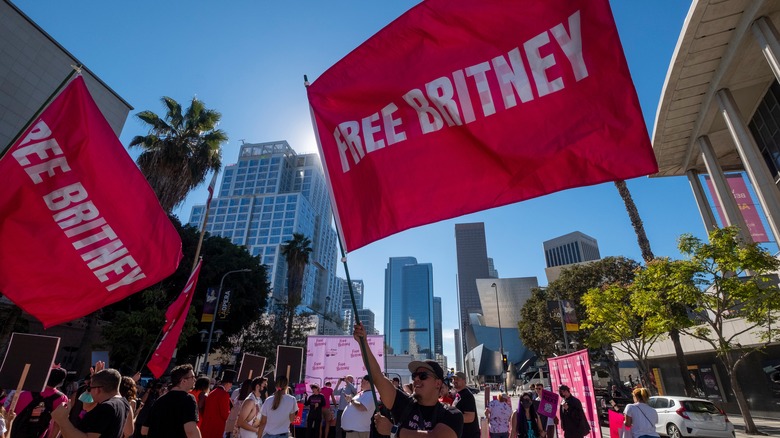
(616, 425)
(573, 370)
(329, 358)
(746, 205)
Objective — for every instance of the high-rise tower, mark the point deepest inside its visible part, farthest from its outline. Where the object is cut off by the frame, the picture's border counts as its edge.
(269, 194)
(409, 307)
(471, 250)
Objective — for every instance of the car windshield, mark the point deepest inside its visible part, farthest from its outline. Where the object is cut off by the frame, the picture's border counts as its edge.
(700, 406)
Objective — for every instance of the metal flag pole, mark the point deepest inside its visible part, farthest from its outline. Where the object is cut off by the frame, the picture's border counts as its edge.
(363, 341)
(76, 71)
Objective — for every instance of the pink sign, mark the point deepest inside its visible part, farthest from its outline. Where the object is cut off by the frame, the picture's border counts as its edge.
(548, 406)
(745, 203)
(616, 425)
(329, 358)
(573, 370)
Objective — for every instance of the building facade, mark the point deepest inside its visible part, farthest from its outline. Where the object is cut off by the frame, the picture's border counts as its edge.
(409, 307)
(571, 248)
(471, 251)
(438, 343)
(719, 112)
(269, 194)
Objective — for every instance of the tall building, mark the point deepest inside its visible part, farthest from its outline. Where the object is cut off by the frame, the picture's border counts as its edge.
(567, 250)
(409, 307)
(269, 194)
(368, 319)
(438, 344)
(471, 249)
(458, 350)
(357, 288)
(571, 248)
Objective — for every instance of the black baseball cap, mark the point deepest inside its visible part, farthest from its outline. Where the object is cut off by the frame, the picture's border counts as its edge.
(430, 365)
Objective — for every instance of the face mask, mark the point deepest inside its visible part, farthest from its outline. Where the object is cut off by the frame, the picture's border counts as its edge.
(526, 403)
(86, 397)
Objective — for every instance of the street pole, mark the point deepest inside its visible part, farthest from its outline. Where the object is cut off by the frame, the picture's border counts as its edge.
(214, 319)
(500, 335)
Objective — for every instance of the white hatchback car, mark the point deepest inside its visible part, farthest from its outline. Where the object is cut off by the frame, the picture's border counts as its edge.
(684, 416)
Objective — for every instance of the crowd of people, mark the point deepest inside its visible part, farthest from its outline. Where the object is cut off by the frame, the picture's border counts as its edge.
(109, 405)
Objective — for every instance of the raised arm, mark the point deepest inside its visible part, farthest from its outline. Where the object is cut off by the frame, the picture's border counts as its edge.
(382, 384)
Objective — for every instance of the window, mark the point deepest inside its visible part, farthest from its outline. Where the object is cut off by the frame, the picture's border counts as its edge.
(765, 127)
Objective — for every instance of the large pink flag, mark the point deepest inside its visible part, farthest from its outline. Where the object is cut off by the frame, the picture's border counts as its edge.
(79, 225)
(460, 105)
(175, 317)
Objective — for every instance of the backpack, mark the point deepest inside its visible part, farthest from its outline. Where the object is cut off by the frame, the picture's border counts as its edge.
(34, 419)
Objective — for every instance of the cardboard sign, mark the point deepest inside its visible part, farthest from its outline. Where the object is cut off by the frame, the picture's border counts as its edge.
(289, 362)
(251, 366)
(38, 351)
(548, 405)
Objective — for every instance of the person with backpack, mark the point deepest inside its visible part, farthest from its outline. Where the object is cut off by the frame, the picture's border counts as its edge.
(416, 414)
(33, 410)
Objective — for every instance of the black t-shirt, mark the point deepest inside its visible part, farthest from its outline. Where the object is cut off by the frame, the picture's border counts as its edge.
(319, 399)
(169, 414)
(464, 402)
(107, 419)
(425, 417)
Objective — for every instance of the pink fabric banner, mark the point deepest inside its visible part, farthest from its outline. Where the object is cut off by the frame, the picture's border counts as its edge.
(746, 205)
(573, 370)
(460, 105)
(617, 427)
(329, 358)
(79, 224)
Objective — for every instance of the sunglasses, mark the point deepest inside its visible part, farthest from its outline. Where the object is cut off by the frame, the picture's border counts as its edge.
(422, 375)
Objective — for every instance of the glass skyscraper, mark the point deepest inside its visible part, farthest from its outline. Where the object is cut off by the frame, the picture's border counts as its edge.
(269, 194)
(409, 319)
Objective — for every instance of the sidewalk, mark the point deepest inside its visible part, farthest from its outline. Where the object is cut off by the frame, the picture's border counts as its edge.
(764, 425)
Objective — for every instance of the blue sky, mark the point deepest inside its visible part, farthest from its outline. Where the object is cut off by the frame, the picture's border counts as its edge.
(247, 60)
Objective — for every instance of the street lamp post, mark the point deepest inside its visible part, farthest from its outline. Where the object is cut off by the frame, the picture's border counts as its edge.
(500, 335)
(214, 319)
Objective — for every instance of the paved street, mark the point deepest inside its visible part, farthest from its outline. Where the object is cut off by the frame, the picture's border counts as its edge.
(771, 427)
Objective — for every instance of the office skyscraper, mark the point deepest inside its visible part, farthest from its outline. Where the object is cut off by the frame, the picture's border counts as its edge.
(571, 248)
(438, 344)
(409, 307)
(368, 319)
(471, 250)
(269, 194)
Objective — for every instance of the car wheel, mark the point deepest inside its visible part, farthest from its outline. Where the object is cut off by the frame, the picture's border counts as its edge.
(673, 431)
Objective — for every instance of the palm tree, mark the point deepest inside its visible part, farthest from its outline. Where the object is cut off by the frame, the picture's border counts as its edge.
(297, 252)
(179, 150)
(647, 256)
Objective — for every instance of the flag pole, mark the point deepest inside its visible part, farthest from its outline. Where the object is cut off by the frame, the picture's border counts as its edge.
(212, 186)
(363, 341)
(76, 70)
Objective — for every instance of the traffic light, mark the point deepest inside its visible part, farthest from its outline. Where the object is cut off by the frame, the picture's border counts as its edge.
(505, 362)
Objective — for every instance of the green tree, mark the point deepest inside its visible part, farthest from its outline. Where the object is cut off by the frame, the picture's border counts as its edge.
(573, 283)
(617, 316)
(179, 150)
(296, 252)
(680, 312)
(722, 281)
(135, 322)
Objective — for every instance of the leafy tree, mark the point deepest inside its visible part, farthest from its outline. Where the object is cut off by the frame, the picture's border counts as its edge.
(724, 280)
(136, 321)
(680, 313)
(616, 314)
(179, 150)
(572, 284)
(296, 252)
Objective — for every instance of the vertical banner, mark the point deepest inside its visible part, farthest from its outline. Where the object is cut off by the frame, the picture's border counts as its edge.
(746, 205)
(573, 370)
(209, 305)
(329, 358)
(223, 311)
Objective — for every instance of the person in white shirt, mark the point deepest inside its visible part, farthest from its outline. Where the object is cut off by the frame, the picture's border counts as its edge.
(356, 419)
(278, 412)
(640, 417)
